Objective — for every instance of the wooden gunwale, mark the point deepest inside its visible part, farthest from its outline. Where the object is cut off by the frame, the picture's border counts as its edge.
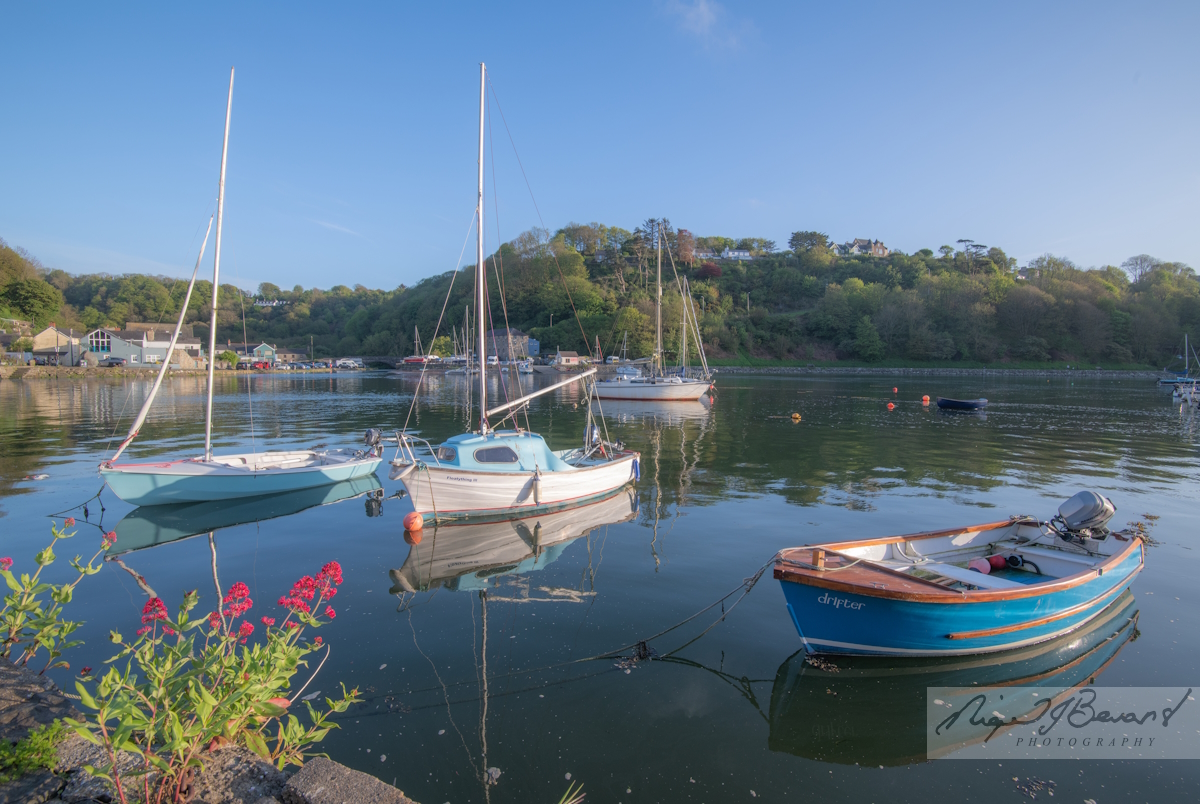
(912, 537)
(828, 580)
(1008, 629)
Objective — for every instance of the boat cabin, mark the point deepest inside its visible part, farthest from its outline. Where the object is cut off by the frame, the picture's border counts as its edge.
(500, 451)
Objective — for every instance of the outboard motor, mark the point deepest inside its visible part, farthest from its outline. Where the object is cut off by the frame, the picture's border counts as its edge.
(1084, 516)
(372, 438)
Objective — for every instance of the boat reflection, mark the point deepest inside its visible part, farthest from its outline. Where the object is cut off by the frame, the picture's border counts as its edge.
(467, 557)
(153, 525)
(872, 711)
(629, 411)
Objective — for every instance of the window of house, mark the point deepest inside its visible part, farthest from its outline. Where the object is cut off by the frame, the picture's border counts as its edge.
(133, 359)
(446, 453)
(100, 342)
(495, 455)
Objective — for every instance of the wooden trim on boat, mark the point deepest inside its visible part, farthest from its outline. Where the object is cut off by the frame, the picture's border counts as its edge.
(1008, 629)
(917, 590)
(928, 534)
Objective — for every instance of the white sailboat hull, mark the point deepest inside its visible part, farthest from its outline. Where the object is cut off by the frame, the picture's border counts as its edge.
(231, 476)
(442, 494)
(669, 390)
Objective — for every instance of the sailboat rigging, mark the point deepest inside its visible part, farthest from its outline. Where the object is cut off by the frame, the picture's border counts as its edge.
(492, 473)
(658, 385)
(209, 478)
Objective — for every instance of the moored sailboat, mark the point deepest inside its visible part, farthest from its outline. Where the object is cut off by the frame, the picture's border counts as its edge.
(657, 385)
(491, 473)
(212, 477)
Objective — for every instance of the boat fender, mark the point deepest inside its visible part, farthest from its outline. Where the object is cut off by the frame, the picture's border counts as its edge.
(637, 469)
(413, 521)
(997, 562)
(537, 487)
(981, 565)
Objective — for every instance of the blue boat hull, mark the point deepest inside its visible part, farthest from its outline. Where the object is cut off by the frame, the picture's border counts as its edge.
(152, 487)
(842, 622)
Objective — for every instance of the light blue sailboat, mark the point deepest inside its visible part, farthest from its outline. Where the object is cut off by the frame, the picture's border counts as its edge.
(211, 477)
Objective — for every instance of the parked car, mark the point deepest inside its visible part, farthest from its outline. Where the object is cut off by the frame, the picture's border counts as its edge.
(262, 365)
(242, 366)
(112, 362)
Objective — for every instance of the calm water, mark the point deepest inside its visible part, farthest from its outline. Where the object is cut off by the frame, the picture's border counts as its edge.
(466, 644)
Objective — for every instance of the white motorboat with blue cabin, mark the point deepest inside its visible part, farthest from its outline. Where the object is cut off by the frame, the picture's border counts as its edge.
(221, 477)
(502, 474)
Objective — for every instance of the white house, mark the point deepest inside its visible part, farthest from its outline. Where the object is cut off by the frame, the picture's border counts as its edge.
(736, 254)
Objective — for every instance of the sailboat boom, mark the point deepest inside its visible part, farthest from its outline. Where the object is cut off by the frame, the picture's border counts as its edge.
(545, 390)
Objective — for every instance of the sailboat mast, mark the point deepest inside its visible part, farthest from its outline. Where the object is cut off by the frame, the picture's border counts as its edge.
(658, 344)
(480, 274)
(212, 327)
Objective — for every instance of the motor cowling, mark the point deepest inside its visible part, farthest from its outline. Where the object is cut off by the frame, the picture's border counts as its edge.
(1087, 510)
(372, 437)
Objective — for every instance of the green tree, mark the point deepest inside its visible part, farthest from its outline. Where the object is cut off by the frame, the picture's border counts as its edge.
(808, 241)
(32, 298)
(867, 343)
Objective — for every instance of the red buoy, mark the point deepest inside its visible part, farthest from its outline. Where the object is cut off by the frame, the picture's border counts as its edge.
(891, 406)
(413, 521)
(997, 562)
(895, 390)
(925, 399)
(412, 537)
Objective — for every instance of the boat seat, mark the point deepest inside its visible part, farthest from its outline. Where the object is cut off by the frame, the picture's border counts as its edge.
(1046, 552)
(968, 576)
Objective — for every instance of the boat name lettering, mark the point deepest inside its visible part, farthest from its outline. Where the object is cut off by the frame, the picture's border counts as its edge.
(839, 602)
(462, 479)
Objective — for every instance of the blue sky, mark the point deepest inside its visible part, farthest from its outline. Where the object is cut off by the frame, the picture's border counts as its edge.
(1061, 127)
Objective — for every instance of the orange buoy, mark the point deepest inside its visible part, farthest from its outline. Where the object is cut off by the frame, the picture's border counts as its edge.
(925, 399)
(795, 417)
(891, 405)
(413, 521)
(412, 537)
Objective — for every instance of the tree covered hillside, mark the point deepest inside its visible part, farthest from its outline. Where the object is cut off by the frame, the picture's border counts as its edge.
(803, 304)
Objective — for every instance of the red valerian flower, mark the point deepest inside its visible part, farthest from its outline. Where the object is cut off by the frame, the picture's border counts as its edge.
(329, 612)
(87, 671)
(268, 621)
(318, 641)
(214, 620)
(168, 630)
(246, 630)
(145, 629)
(5, 563)
(109, 539)
(293, 624)
(153, 610)
(69, 522)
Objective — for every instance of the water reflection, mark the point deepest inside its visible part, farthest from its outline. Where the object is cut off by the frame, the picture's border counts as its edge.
(873, 711)
(469, 557)
(153, 525)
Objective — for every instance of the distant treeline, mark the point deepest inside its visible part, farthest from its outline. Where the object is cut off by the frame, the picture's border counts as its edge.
(807, 303)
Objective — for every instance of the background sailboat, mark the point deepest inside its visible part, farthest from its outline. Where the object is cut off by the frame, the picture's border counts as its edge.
(201, 479)
(657, 385)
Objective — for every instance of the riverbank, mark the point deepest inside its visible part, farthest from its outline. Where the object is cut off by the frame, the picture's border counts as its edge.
(232, 775)
(78, 372)
(941, 372)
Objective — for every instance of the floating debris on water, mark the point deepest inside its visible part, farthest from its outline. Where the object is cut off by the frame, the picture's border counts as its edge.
(641, 653)
(39, 477)
(493, 775)
(1034, 785)
(312, 696)
(822, 664)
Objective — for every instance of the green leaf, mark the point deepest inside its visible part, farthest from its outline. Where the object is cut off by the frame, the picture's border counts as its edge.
(85, 697)
(268, 709)
(255, 743)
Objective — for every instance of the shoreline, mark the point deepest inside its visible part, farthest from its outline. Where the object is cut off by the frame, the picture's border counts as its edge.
(943, 372)
(83, 372)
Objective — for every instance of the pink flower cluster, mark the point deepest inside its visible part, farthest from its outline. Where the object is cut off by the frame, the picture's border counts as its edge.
(5, 563)
(109, 539)
(154, 609)
(305, 589)
(246, 629)
(69, 522)
(238, 600)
